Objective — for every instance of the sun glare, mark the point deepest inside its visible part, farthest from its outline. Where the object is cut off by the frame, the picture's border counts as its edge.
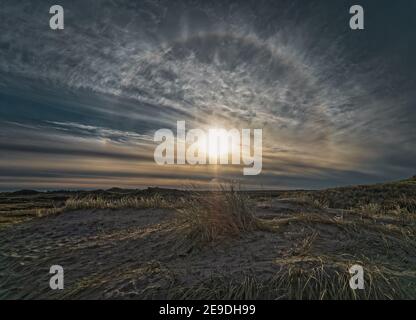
(217, 144)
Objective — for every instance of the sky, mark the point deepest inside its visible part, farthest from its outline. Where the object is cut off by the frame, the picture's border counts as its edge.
(79, 107)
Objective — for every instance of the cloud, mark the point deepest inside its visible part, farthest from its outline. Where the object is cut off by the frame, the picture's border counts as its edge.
(101, 133)
(328, 100)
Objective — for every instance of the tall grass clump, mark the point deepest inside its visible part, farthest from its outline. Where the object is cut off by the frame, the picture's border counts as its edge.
(312, 201)
(227, 213)
(371, 208)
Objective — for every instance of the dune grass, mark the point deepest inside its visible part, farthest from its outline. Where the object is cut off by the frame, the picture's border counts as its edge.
(99, 202)
(318, 244)
(87, 202)
(300, 278)
(228, 213)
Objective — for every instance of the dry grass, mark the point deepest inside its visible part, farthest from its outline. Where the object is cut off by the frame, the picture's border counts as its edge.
(310, 201)
(88, 202)
(385, 197)
(207, 218)
(371, 208)
(313, 247)
(98, 202)
(310, 278)
(18, 216)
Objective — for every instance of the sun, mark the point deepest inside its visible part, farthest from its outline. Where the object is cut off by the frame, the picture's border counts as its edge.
(215, 145)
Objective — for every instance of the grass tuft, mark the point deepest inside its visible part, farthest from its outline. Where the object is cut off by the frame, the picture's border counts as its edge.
(208, 218)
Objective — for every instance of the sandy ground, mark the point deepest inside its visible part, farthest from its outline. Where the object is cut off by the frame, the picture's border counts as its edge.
(139, 254)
